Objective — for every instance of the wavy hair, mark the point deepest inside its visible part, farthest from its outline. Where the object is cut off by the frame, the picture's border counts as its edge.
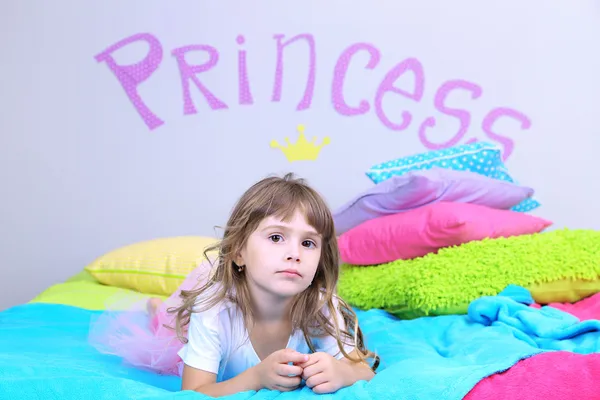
(280, 197)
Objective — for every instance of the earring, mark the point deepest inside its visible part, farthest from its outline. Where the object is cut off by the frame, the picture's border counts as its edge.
(240, 268)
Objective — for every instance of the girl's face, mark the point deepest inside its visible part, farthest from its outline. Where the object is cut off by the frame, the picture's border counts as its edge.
(281, 258)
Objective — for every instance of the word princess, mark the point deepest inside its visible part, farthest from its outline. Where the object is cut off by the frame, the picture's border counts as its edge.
(131, 76)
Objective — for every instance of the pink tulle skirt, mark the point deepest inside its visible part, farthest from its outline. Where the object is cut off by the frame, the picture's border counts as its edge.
(139, 336)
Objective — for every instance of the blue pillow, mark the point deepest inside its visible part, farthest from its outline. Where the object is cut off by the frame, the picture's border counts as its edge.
(480, 157)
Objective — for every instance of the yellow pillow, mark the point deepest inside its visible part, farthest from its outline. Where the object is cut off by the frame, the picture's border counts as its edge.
(156, 266)
(563, 290)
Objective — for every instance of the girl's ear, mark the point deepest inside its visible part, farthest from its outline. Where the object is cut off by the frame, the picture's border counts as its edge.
(239, 260)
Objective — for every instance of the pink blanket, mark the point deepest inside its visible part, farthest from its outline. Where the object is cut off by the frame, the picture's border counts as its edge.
(549, 376)
(585, 309)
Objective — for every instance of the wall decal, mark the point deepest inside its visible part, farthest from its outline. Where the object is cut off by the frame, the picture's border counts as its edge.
(471, 127)
(302, 150)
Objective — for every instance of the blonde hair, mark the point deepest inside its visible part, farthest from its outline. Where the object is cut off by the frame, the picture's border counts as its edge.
(280, 197)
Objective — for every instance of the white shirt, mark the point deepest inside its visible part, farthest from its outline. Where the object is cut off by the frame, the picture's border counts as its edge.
(218, 342)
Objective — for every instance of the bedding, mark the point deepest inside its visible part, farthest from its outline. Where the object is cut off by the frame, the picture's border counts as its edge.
(422, 187)
(586, 309)
(84, 291)
(427, 229)
(559, 375)
(484, 158)
(446, 282)
(446, 357)
(156, 266)
(556, 375)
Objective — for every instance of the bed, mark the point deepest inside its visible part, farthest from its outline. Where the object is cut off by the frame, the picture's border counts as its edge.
(503, 349)
(461, 293)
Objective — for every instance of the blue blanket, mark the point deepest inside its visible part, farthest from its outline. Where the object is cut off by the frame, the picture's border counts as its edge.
(44, 353)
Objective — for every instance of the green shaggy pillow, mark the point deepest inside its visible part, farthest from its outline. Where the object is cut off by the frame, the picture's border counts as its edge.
(446, 282)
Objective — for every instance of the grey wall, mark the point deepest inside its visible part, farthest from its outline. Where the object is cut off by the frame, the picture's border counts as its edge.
(82, 173)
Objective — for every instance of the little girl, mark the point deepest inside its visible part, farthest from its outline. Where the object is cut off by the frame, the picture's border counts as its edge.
(266, 314)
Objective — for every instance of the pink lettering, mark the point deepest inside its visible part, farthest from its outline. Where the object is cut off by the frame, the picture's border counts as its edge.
(245, 97)
(387, 85)
(339, 76)
(310, 83)
(498, 113)
(188, 72)
(130, 76)
(463, 116)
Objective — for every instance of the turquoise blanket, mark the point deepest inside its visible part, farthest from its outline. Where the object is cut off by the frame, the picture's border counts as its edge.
(44, 353)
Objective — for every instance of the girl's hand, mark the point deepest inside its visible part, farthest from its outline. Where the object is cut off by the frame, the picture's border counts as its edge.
(275, 373)
(325, 374)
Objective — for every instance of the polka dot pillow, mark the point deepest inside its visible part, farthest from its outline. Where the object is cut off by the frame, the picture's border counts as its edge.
(480, 157)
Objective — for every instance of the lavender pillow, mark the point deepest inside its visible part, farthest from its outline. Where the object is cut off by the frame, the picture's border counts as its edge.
(419, 188)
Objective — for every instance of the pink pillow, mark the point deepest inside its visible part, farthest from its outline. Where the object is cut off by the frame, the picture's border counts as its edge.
(426, 229)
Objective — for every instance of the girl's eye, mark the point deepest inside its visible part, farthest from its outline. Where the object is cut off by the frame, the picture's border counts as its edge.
(309, 243)
(275, 238)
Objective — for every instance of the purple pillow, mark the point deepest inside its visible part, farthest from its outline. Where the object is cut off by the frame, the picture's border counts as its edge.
(421, 187)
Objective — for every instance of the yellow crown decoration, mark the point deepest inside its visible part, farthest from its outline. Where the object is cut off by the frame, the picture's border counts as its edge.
(302, 149)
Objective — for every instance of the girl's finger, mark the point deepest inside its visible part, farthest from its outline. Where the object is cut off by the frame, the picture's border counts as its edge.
(288, 382)
(312, 370)
(288, 370)
(316, 380)
(284, 389)
(326, 387)
(311, 361)
(288, 355)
